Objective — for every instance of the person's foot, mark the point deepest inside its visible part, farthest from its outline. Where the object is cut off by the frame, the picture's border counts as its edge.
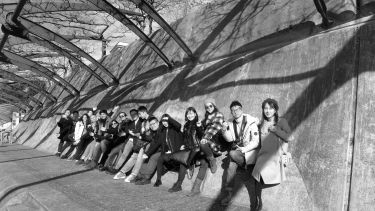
(138, 178)
(111, 171)
(157, 183)
(101, 167)
(64, 157)
(70, 159)
(144, 181)
(213, 166)
(327, 22)
(87, 162)
(58, 154)
(119, 175)
(80, 162)
(176, 187)
(130, 178)
(190, 172)
(227, 200)
(260, 204)
(91, 165)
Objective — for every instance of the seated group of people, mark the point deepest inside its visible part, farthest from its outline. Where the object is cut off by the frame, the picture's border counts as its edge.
(134, 149)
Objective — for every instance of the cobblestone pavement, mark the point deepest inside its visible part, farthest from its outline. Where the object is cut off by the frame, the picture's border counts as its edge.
(34, 180)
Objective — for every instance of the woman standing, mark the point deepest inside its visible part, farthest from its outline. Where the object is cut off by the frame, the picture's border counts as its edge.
(80, 132)
(89, 139)
(275, 132)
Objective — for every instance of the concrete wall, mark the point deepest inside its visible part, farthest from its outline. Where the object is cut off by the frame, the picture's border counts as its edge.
(252, 50)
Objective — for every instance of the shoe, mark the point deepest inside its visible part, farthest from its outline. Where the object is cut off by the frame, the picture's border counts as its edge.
(326, 23)
(58, 154)
(87, 162)
(196, 190)
(138, 178)
(130, 178)
(175, 188)
(227, 200)
(190, 172)
(111, 171)
(64, 157)
(119, 175)
(260, 204)
(144, 181)
(80, 162)
(157, 183)
(70, 159)
(91, 165)
(101, 167)
(213, 166)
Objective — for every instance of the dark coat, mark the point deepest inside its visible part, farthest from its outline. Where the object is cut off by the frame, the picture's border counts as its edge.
(169, 139)
(192, 134)
(66, 126)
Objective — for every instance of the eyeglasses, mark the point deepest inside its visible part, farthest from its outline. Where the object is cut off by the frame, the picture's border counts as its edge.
(152, 124)
(114, 123)
(209, 106)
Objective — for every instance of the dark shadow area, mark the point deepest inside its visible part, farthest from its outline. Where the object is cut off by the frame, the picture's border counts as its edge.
(15, 150)
(7, 161)
(14, 189)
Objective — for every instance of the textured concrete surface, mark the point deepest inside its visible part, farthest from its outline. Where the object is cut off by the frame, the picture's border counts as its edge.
(251, 50)
(34, 180)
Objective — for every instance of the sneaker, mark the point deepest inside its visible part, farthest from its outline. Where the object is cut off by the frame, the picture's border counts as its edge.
(64, 157)
(130, 178)
(58, 154)
(227, 200)
(176, 187)
(119, 175)
(101, 167)
(144, 181)
(91, 165)
(87, 162)
(71, 159)
(111, 171)
(157, 183)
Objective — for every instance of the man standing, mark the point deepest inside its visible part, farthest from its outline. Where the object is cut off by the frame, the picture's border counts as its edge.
(66, 125)
(243, 132)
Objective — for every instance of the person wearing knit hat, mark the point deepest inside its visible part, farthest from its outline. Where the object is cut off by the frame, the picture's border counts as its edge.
(210, 101)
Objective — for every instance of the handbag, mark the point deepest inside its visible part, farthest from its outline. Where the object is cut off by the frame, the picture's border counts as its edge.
(181, 156)
(285, 157)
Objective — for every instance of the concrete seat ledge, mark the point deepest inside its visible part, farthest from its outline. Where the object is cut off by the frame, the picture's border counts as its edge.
(36, 180)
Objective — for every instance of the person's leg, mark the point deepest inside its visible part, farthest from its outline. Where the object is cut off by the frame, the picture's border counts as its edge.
(181, 176)
(148, 169)
(322, 9)
(200, 177)
(95, 156)
(105, 145)
(59, 147)
(160, 168)
(127, 150)
(112, 155)
(137, 166)
(81, 146)
(237, 158)
(127, 167)
(205, 148)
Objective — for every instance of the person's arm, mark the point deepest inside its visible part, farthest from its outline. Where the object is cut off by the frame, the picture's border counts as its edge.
(227, 135)
(153, 147)
(252, 135)
(176, 125)
(282, 130)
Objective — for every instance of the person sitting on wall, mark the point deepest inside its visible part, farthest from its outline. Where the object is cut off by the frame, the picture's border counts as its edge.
(269, 169)
(90, 139)
(148, 168)
(170, 141)
(65, 124)
(322, 9)
(134, 131)
(242, 132)
(104, 136)
(120, 143)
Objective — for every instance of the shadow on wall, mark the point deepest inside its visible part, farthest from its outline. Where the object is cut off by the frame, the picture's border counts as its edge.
(325, 81)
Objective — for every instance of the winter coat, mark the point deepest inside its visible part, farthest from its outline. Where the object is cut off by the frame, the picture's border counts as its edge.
(212, 126)
(65, 125)
(268, 164)
(249, 138)
(78, 131)
(169, 139)
(192, 134)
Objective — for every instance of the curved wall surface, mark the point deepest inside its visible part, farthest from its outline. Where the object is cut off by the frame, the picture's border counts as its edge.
(249, 51)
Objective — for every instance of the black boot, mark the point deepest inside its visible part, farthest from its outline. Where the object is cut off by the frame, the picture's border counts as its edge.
(175, 188)
(157, 183)
(212, 163)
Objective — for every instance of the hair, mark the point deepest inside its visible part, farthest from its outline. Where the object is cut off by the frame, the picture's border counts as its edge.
(75, 112)
(88, 119)
(193, 110)
(273, 104)
(214, 111)
(103, 112)
(122, 113)
(235, 103)
(133, 110)
(152, 118)
(142, 109)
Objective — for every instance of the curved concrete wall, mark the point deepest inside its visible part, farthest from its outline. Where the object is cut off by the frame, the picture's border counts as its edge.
(251, 50)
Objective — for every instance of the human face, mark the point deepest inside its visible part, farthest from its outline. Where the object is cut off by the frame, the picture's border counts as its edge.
(191, 115)
(165, 123)
(268, 111)
(142, 114)
(67, 113)
(236, 111)
(84, 118)
(209, 107)
(103, 115)
(93, 118)
(122, 116)
(114, 124)
(154, 125)
(89, 113)
(134, 116)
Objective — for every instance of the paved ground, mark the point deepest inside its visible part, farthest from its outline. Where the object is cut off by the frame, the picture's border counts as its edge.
(34, 180)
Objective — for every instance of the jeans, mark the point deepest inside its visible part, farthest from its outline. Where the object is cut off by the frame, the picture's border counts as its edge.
(82, 145)
(115, 152)
(88, 154)
(237, 158)
(127, 150)
(160, 167)
(135, 162)
(63, 146)
(148, 168)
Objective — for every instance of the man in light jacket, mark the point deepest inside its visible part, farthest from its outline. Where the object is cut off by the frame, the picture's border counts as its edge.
(243, 132)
